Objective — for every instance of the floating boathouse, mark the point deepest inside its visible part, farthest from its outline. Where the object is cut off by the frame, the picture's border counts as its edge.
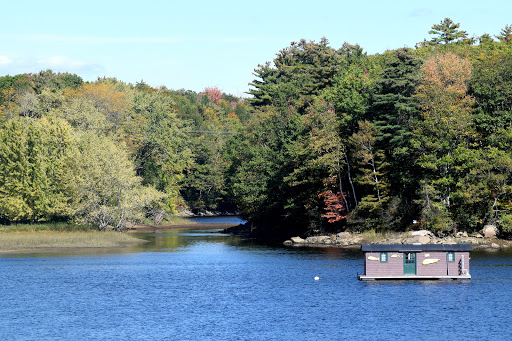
(416, 261)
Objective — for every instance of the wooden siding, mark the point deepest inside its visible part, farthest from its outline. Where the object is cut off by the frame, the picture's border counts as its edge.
(395, 265)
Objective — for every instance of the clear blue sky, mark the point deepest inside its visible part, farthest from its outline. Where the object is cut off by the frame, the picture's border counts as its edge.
(195, 44)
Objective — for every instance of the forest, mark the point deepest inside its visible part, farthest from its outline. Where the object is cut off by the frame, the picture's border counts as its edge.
(328, 139)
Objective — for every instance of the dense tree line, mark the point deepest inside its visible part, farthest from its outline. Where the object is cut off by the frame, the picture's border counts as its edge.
(330, 139)
(107, 152)
(346, 140)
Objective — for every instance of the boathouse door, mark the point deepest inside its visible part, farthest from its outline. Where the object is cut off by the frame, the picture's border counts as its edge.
(409, 263)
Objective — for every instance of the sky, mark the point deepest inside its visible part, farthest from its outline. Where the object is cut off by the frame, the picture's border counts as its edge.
(196, 44)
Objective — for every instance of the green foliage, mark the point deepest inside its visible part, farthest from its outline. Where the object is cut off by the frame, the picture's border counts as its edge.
(491, 86)
(506, 223)
(447, 32)
(331, 139)
(33, 184)
(300, 71)
(105, 187)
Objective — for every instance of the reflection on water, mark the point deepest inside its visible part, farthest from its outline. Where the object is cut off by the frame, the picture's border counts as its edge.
(204, 285)
(218, 220)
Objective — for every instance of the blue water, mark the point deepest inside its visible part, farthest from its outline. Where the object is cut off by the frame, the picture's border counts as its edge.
(203, 285)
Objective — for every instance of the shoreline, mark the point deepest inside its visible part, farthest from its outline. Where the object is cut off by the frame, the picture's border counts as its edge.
(355, 240)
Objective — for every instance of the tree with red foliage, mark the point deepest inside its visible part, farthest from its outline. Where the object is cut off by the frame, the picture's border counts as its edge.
(213, 93)
(334, 207)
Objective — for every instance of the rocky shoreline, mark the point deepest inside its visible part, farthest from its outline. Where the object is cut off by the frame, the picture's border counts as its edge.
(484, 241)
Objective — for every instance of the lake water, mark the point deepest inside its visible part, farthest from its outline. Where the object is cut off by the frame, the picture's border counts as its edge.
(203, 285)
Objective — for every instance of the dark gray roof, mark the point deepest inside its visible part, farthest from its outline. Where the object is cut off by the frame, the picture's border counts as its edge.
(416, 247)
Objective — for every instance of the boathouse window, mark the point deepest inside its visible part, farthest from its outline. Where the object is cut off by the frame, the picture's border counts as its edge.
(451, 256)
(384, 257)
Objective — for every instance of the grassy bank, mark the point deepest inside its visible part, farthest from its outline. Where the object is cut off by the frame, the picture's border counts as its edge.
(177, 220)
(18, 238)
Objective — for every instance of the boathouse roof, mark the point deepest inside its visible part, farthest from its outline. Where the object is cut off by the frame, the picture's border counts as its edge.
(415, 247)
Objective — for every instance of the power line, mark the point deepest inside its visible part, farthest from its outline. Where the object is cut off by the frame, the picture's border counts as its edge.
(211, 132)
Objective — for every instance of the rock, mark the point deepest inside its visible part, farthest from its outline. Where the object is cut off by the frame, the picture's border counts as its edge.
(324, 239)
(495, 246)
(477, 235)
(424, 239)
(489, 231)
(298, 240)
(345, 242)
(392, 241)
(343, 235)
(318, 240)
(288, 243)
(312, 240)
(448, 240)
(356, 239)
(420, 233)
(461, 234)
(412, 240)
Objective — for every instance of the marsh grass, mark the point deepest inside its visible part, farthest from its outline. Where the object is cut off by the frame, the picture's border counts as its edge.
(176, 220)
(59, 227)
(47, 239)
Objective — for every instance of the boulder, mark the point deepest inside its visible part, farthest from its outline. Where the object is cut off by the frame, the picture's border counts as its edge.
(298, 240)
(449, 240)
(324, 239)
(392, 241)
(288, 243)
(424, 239)
(345, 242)
(420, 233)
(312, 240)
(412, 240)
(343, 235)
(495, 246)
(318, 240)
(356, 239)
(490, 231)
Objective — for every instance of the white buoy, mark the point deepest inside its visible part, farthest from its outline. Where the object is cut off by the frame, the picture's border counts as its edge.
(317, 278)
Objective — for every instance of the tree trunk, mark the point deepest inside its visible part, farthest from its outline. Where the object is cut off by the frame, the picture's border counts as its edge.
(350, 179)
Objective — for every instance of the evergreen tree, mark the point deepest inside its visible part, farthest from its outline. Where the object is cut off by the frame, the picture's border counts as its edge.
(300, 71)
(505, 35)
(447, 32)
(393, 110)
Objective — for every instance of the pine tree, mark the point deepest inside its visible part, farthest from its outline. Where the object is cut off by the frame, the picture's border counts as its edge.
(447, 32)
(505, 35)
(393, 109)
